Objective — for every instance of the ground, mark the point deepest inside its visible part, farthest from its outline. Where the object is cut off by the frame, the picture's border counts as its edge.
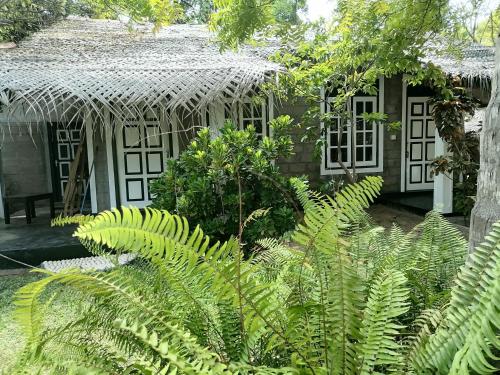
(387, 216)
(11, 337)
(10, 334)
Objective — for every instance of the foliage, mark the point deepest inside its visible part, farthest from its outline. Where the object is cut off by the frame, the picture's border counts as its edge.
(218, 182)
(19, 18)
(200, 11)
(468, 26)
(449, 112)
(365, 40)
(346, 298)
(463, 342)
(62, 310)
(237, 21)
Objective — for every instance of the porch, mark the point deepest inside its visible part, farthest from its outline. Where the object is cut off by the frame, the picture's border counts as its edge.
(33, 243)
(419, 202)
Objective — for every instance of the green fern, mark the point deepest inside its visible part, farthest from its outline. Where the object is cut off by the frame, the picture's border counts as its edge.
(379, 349)
(344, 297)
(75, 219)
(470, 328)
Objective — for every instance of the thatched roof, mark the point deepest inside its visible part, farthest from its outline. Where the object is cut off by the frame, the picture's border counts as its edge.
(94, 64)
(472, 62)
(475, 123)
(81, 65)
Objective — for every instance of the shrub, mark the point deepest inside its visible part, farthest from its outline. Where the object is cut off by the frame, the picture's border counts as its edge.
(206, 182)
(347, 298)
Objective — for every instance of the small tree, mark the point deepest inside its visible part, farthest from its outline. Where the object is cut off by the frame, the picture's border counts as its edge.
(365, 40)
(222, 183)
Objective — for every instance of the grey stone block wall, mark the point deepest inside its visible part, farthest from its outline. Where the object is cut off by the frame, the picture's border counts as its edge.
(304, 163)
(24, 160)
(393, 105)
(101, 172)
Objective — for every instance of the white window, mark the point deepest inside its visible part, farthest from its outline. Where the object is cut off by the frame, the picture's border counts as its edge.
(360, 142)
(243, 114)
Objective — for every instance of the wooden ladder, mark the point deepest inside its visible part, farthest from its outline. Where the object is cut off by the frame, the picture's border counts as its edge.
(74, 186)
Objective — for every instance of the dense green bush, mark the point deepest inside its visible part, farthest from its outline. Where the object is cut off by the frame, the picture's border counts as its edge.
(206, 182)
(347, 298)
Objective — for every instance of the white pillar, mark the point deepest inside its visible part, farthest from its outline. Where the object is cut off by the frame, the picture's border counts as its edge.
(90, 159)
(109, 157)
(443, 183)
(1, 194)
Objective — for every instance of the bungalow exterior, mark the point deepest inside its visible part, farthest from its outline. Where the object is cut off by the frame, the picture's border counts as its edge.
(132, 100)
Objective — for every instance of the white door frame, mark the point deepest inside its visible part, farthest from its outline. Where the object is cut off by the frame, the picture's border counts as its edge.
(216, 113)
(406, 184)
(90, 162)
(120, 150)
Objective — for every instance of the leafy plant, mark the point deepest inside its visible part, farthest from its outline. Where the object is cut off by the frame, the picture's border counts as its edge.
(218, 182)
(450, 111)
(346, 298)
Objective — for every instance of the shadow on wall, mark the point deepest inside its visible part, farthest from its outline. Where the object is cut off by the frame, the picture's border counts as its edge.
(24, 156)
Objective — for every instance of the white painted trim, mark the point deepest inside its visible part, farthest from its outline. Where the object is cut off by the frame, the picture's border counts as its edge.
(403, 134)
(217, 112)
(89, 133)
(443, 183)
(322, 103)
(270, 105)
(381, 107)
(163, 122)
(109, 159)
(2, 214)
(381, 133)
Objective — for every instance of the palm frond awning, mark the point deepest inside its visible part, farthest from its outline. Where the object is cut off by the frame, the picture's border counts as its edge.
(472, 62)
(82, 65)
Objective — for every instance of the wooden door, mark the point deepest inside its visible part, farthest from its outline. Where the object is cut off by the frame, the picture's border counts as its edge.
(64, 145)
(143, 147)
(420, 144)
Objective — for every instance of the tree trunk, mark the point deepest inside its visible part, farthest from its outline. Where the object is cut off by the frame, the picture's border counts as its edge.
(486, 211)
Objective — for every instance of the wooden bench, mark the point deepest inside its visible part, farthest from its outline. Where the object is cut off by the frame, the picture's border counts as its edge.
(29, 204)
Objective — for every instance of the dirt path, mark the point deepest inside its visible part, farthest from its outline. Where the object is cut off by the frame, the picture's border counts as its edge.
(386, 216)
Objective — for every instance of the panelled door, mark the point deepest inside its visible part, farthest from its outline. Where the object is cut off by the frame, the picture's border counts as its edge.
(420, 144)
(65, 142)
(143, 147)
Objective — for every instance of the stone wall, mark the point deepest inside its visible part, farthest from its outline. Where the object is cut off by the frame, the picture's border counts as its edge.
(393, 107)
(304, 163)
(24, 156)
(101, 172)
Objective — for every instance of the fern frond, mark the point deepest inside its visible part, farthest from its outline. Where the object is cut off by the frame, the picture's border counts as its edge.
(423, 327)
(108, 288)
(28, 311)
(470, 329)
(203, 361)
(337, 318)
(164, 239)
(387, 301)
(61, 220)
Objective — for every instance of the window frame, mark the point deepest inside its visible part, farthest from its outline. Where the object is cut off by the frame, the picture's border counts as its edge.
(329, 167)
(218, 112)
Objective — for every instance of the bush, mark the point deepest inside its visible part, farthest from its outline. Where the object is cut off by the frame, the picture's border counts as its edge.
(346, 298)
(206, 182)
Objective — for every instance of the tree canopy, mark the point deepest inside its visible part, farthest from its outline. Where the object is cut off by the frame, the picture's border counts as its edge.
(19, 18)
(469, 24)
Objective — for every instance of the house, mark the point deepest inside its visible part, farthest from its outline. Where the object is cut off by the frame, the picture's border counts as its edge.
(134, 99)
